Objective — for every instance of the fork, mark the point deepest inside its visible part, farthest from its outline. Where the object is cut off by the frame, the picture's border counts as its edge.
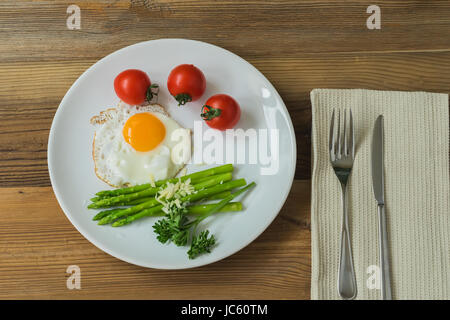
(342, 155)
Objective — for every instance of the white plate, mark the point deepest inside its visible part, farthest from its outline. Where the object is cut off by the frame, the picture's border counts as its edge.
(70, 145)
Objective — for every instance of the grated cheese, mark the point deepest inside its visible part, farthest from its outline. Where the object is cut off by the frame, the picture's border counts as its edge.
(172, 193)
(152, 181)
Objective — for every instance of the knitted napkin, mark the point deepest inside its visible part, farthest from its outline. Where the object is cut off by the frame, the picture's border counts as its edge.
(417, 193)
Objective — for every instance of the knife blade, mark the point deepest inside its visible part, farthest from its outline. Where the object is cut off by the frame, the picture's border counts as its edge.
(378, 160)
(377, 157)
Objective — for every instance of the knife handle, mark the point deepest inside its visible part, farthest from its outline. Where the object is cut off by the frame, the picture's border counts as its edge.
(386, 290)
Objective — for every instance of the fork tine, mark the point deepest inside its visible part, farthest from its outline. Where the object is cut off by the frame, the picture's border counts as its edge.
(331, 141)
(344, 150)
(351, 146)
(337, 150)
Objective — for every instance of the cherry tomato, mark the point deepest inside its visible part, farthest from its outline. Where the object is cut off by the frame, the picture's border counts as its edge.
(221, 112)
(186, 83)
(133, 86)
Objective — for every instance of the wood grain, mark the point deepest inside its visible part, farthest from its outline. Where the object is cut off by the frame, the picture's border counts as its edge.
(249, 28)
(38, 243)
(23, 156)
(298, 45)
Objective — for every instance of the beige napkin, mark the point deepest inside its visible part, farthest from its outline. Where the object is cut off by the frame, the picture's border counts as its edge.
(416, 192)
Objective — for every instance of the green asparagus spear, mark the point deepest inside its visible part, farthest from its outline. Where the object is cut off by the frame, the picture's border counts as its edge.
(202, 208)
(105, 213)
(196, 175)
(128, 202)
(200, 187)
(218, 196)
(191, 210)
(142, 200)
(226, 200)
(125, 198)
(191, 198)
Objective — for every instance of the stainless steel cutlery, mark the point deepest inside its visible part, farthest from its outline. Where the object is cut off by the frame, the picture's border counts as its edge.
(377, 157)
(342, 155)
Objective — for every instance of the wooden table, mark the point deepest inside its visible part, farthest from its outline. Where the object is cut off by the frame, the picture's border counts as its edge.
(298, 45)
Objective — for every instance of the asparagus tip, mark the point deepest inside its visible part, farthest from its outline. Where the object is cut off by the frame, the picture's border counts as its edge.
(118, 223)
(103, 221)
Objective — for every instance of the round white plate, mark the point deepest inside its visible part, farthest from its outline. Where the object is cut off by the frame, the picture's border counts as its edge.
(70, 149)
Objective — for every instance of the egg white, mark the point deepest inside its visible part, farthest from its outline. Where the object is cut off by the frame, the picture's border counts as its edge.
(118, 164)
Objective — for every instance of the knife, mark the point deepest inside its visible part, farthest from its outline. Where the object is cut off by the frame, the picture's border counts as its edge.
(378, 190)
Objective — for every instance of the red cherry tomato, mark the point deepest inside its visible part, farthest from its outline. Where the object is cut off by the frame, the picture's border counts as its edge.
(186, 83)
(133, 86)
(221, 112)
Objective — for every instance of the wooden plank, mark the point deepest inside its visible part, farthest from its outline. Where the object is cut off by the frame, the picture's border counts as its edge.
(298, 45)
(38, 243)
(30, 93)
(36, 30)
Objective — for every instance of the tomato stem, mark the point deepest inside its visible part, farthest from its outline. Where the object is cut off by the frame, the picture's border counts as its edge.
(210, 112)
(183, 98)
(149, 93)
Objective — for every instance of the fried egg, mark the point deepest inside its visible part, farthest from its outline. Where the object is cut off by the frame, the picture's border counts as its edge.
(138, 144)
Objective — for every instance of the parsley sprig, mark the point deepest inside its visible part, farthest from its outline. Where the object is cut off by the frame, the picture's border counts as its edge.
(176, 227)
(201, 244)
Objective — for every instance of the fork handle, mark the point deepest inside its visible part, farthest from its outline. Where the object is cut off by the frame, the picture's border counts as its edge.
(346, 274)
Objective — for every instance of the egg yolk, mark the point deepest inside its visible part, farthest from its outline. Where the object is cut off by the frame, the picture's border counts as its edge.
(144, 131)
